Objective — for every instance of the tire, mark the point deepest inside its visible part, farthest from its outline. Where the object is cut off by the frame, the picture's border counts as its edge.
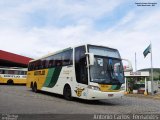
(10, 82)
(67, 93)
(35, 88)
(32, 86)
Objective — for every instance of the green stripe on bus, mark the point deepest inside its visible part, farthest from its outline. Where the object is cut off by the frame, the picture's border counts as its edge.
(55, 76)
(49, 77)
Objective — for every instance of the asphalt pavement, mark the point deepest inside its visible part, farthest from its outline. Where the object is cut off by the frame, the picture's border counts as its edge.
(19, 100)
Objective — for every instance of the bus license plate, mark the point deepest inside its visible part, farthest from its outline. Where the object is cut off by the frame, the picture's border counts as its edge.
(110, 95)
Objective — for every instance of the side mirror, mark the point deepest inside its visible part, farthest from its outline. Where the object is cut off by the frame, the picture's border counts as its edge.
(91, 58)
(129, 66)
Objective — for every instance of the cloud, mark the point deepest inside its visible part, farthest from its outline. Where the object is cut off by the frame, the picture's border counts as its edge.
(55, 11)
(38, 27)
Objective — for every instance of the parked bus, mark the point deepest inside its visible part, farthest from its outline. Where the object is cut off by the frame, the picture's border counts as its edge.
(13, 75)
(87, 72)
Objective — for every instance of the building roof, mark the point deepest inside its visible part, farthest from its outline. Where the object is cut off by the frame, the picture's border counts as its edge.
(11, 59)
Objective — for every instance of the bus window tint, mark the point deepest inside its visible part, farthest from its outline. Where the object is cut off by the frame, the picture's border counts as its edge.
(47, 63)
(80, 65)
(22, 72)
(1, 71)
(58, 59)
(6, 72)
(30, 66)
(36, 65)
(51, 61)
(43, 62)
(67, 58)
(16, 72)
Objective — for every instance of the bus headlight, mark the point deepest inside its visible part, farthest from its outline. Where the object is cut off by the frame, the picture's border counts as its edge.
(93, 87)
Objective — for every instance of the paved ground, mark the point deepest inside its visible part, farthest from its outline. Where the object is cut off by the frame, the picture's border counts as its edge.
(21, 100)
(155, 96)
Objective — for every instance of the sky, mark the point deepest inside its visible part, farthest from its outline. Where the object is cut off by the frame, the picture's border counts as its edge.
(34, 28)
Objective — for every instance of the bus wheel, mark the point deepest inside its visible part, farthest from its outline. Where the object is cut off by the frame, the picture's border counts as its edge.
(32, 86)
(67, 92)
(10, 82)
(35, 88)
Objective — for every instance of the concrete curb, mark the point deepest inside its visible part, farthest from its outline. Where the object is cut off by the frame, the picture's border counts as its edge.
(156, 96)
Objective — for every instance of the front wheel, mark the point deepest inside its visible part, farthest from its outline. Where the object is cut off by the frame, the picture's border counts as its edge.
(67, 93)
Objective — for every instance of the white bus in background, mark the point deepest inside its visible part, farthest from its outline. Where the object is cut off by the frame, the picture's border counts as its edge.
(88, 72)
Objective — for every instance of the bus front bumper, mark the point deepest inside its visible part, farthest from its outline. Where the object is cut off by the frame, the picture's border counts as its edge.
(99, 95)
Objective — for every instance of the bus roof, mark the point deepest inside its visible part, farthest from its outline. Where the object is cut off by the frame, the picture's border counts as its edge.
(13, 68)
(59, 51)
(50, 54)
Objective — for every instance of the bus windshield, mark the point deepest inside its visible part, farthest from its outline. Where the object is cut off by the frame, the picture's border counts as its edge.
(107, 68)
(104, 51)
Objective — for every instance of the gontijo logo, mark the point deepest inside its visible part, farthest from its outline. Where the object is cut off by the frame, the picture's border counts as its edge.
(79, 91)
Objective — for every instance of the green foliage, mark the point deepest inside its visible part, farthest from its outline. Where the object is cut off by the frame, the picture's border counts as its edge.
(135, 87)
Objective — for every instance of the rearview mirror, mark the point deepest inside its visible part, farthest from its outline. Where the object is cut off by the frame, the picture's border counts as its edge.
(127, 67)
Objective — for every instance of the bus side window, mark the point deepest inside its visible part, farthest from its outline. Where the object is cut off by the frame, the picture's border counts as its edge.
(67, 57)
(38, 64)
(47, 63)
(17, 72)
(1, 71)
(29, 67)
(43, 62)
(58, 59)
(50, 63)
(71, 57)
(35, 65)
(25, 72)
(32, 65)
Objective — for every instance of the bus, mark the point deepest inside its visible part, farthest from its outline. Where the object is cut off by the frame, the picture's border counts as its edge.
(13, 75)
(87, 72)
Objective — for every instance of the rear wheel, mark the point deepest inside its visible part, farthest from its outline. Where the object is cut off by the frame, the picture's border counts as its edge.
(10, 82)
(32, 86)
(35, 87)
(67, 93)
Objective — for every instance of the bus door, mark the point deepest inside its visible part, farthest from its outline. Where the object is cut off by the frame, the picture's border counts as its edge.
(81, 71)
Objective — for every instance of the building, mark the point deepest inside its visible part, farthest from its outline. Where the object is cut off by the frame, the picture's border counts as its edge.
(8, 59)
(135, 77)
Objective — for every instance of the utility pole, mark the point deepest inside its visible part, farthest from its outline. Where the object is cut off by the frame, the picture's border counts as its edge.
(146, 51)
(151, 71)
(135, 62)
